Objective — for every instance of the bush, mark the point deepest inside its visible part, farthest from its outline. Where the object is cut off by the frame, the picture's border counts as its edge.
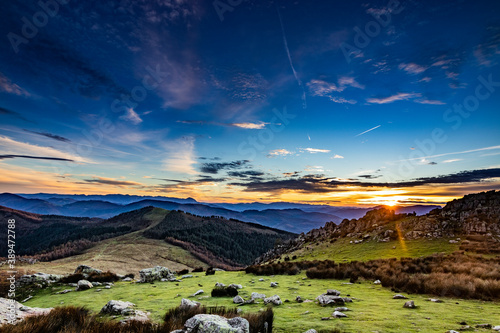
(210, 271)
(103, 277)
(72, 278)
(130, 275)
(197, 270)
(183, 272)
(224, 292)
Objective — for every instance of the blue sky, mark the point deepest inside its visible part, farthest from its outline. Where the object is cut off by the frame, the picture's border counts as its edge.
(315, 101)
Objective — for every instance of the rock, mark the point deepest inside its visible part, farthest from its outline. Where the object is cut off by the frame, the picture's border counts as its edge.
(188, 304)
(276, 300)
(38, 278)
(398, 296)
(483, 326)
(238, 300)
(496, 328)
(118, 308)
(186, 276)
(127, 279)
(261, 279)
(21, 312)
(205, 323)
(409, 305)
(325, 299)
(299, 299)
(377, 282)
(257, 296)
(274, 284)
(333, 292)
(156, 274)
(341, 309)
(98, 290)
(311, 331)
(347, 300)
(236, 286)
(326, 318)
(435, 300)
(96, 284)
(65, 291)
(199, 292)
(84, 269)
(84, 285)
(452, 241)
(107, 287)
(338, 314)
(221, 285)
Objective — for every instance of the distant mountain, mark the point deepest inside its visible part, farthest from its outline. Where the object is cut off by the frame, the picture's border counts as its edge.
(214, 240)
(121, 199)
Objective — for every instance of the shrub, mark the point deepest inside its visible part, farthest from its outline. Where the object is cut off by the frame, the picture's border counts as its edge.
(130, 275)
(72, 278)
(183, 272)
(103, 277)
(197, 270)
(210, 271)
(224, 292)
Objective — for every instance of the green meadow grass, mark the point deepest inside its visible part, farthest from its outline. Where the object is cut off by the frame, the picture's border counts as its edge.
(373, 309)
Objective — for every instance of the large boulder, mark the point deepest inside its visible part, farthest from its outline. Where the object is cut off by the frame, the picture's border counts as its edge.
(409, 305)
(276, 300)
(188, 304)
(118, 308)
(14, 312)
(257, 296)
(156, 273)
(40, 278)
(84, 285)
(205, 323)
(326, 299)
(84, 269)
(238, 300)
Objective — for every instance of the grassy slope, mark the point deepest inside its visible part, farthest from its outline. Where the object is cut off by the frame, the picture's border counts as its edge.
(126, 254)
(342, 250)
(373, 307)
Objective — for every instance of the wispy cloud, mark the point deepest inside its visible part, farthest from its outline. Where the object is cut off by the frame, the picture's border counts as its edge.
(8, 86)
(259, 125)
(429, 101)
(50, 136)
(132, 116)
(452, 160)
(3, 157)
(371, 129)
(181, 156)
(111, 181)
(314, 150)
(245, 125)
(338, 156)
(15, 114)
(394, 98)
(214, 168)
(454, 153)
(279, 152)
(412, 68)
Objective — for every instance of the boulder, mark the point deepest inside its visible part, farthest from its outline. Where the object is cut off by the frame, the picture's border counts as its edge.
(274, 284)
(276, 300)
(338, 314)
(65, 291)
(496, 328)
(299, 299)
(333, 292)
(205, 323)
(6, 305)
(238, 300)
(311, 331)
(118, 308)
(435, 300)
(236, 286)
(84, 285)
(398, 296)
(40, 278)
(188, 304)
(409, 305)
(127, 279)
(222, 285)
(156, 274)
(342, 309)
(257, 296)
(186, 276)
(199, 292)
(377, 282)
(84, 269)
(325, 299)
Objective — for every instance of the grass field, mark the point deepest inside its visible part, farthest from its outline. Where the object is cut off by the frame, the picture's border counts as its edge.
(342, 250)
(373, 309)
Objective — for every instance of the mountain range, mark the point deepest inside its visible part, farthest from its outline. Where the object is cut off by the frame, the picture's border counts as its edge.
(292, 217)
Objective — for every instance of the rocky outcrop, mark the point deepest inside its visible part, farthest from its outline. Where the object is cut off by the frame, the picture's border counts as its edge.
(38, 278)
(12, 311)
(205, 323)
(86, 270)
(156, 273)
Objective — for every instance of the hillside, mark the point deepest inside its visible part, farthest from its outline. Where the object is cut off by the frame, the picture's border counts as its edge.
(212, 240)
(471, 224)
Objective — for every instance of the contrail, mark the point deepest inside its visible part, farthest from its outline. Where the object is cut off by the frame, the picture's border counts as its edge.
(371, 129)
(304, 103)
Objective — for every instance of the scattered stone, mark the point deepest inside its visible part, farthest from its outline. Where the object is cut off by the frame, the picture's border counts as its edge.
(107, 287)
(38, 278)
(342, 308)
(338, 314)
(156, 274)
(435, 300)
(257, 296)
(186, 276)
(199, 292)
(236, 286)
(274, 284)
(496, 328)
(238, 300)
(377, 282)
(213, 323)
(118, 308)
(84, 269)
(409, 305)
(307, 312)
(127, 279)
(452, 241)
(276, 300)
(452, 331)
(333, 292)
(311, 331)
(65, 291)
(299, 299)
(398, 296)
(84, 285)
(347, 300)
(222, 285)
(188, 304)
(261, 279)
(325, 299)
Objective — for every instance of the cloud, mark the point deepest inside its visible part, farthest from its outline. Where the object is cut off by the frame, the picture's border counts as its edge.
(314, 168)
(50, 136)
(412, 68)
(259, 125)
(245, 174)
(454, 153)
(111, 181)
(13, 147)
(325, 89)
(7, 112)
(394, 98)
(452, 160)
(8, 86)
(320, 184)
(181, 157)
(279, 152)
(342, 100)
(486, 53)
(428, 101)
(132, 116)
(337, 156)
(244, 125)
(214, 168)
(371, 129)
(2, 157)
(314, 150)
(370, 176)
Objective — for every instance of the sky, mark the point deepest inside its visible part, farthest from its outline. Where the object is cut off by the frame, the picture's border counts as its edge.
(328, 102)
